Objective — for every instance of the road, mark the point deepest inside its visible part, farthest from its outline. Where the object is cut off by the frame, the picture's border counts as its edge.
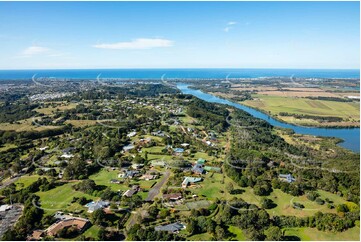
(151, 195)
(156, 189)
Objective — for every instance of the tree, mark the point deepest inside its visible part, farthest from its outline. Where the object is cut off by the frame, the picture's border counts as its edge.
(230, 187)
(267, 203)
(192, 227)
(273, 233)
(98, 216)
(220, 233)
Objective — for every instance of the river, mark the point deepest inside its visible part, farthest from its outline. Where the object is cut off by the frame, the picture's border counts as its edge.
(350, 136)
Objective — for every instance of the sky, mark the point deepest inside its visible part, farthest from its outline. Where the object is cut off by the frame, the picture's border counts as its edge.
(77, 35)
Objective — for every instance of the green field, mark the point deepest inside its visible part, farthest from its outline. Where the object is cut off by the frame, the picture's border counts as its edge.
(25, 181)
(276, 104)
(60, 198)
(312, 234)
(237, 232)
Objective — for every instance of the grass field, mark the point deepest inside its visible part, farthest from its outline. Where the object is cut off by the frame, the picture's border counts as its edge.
(239, 236)
(25, 125)
(60, 198)
(312, 234)
(25, 181)
(277, 104)
(59, 105)
(7, 147)
(200, 237)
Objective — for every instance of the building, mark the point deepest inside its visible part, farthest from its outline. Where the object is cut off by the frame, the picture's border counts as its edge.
(287, 177)
(132, 191)
(201, 161)
(80, 223)
(93, 206)
(127, 174)
(190, 180)
(173, 196)
(212, 168)
(36, 235)
(132, 134)
(178, 150)
(5, 207)
(128, 147)
(198, 169)
(148, 177)
(173, 228)
(157, 163)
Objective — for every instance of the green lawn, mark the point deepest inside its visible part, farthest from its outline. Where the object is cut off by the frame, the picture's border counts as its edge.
(313, 234)
(237, 232)
(276, 104)
(60, 198)
(104, 176)
(200, 237)
(6, 147)
(25, 181)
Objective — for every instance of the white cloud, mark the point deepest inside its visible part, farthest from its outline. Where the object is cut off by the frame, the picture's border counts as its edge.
(231, 23)
(227, 29)
(137, 44)
(34, 50)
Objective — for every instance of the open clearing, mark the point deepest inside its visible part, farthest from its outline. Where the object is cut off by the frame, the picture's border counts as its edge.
(349, 111)
(313, 234)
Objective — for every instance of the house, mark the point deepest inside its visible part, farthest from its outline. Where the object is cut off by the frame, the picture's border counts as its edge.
(80, 223)
(5, 207)
(173, 228)
(115, 181)
(190, 180)
(148, 177)
(36, 235)
(93, 206)
(212, 168)
(137, 166)
(198, 169)
(132, 191)
(67, 156)
(178, 150)
(287, 177)
(43, 148)
(127, 174)
(172, 196)
(201, 161)
(128, 147)
(158, 133)
(185, 145)
(132, 134)
(157, 163)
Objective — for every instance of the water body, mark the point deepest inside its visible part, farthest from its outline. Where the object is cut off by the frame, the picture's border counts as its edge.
(351, 136)
(179, 73)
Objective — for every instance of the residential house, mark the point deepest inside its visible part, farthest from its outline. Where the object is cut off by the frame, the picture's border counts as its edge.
(190, 180)
(148, 177)
(132, 134)
(93, 206)
(157, 163)
(173, 228)
(128, 147)
(127, 174)
(287, 177)
(173, 196)
(201, 161)
(198, 169)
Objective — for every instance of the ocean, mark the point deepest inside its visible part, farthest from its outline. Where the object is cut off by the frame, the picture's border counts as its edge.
(179, 73)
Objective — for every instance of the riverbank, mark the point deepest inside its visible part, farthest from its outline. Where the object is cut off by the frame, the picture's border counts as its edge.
(350, 137)
(294, 108)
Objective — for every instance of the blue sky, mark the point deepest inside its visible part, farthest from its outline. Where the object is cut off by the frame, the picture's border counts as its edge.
(43, 35)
